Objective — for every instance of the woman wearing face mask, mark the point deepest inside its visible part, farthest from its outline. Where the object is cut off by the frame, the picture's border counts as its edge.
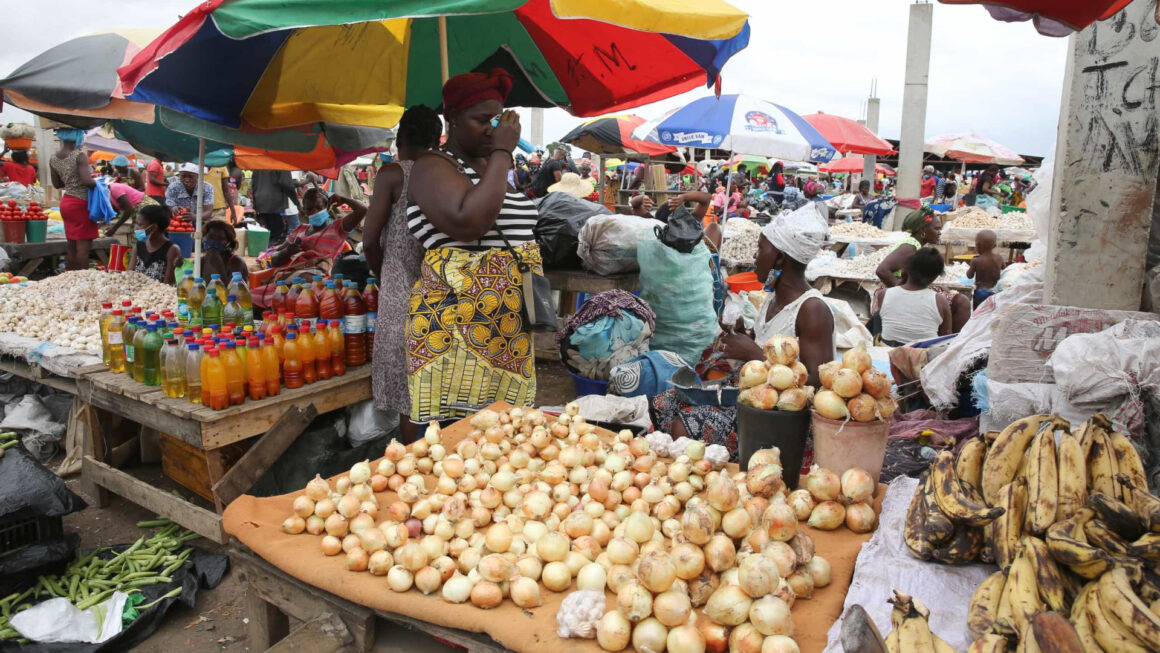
(312, 246)
(156, 256)
(218, 244)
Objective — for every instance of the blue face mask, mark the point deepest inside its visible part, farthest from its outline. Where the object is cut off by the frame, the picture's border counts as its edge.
(319, 219)
(140, 234)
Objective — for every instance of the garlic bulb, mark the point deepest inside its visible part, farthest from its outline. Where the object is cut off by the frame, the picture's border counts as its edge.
(579, 614)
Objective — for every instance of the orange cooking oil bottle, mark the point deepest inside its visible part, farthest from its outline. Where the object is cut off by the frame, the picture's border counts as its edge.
(256, 375)
(270, 366)
(322, 351)
(337, 342)
(306, 309)
(214, 382)
(241, 343)
(235, 374)
(277, 340)
(306, 355)
(292, 364)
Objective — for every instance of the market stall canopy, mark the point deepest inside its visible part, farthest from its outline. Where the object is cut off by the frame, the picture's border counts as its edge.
(856, 164)
(362, 62)
(739, 123)
(848, 136)
(1050, 17)
(972, 148)
(613, 135)
(757, 163)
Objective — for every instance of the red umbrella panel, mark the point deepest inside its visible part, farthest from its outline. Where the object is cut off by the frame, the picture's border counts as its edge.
(855, 164)
(849, 136)
(1052, 17)
(613, 135)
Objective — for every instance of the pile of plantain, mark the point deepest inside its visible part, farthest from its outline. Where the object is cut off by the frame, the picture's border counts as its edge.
(1070, 524)
(910, 623)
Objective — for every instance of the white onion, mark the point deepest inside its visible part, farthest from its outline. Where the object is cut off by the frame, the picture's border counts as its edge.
(758, 575)
(649, 636)
(331, 545)
(552, 547)
(657, 571)
(556, 576)
(457, 589)
(591, 577)
(294, 525)
(802, 583)
(303, 506)
(736, 523)
(729, 605)
(823, 484)
(639, 528)
(688, 560)
(820, 570)
(486, 595)
(860, 517)
(360, 472)
(781, 377)
(847, 383)
(780, 521)
(357, 559)
(752, 374)
(634, 601)
(530, 567)
(745, 638)
(672, 608)
(525, 593)
(722, 493)
(857, 359)
(770, 615)
(782, 555)
(613, 631)
(499, 537)
(828, 515)
(781, 349)
(831, 405)
(685, 639)
(622, 550)
(428, 579)
(802, 503)
(779, 644)
(857, 485)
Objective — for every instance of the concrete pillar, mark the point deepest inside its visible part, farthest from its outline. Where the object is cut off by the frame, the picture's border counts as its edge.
(44, 150)
(1106, 163)
(538, 127)
(872, 125)
(914, 100)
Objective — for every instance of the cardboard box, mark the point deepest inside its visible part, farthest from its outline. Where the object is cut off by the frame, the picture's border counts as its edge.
(1027, 334)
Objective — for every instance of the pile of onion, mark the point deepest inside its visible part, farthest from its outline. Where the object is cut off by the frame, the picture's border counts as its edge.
(779, 381)
(853, 389)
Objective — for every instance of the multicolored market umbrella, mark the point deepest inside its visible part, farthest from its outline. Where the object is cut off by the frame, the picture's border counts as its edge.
(972, 148)
(749, 161)
(1051, 17)
(613, 135)
(362, 62)
(848, 136)
(856, 164)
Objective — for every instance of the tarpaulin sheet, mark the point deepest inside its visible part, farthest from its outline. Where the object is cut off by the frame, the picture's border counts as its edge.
(257, 524)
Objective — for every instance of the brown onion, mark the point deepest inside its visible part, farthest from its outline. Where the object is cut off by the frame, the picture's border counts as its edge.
(860, 517)
(672, 608)
(802, 503)
(780, 521)
(331, 545)
(649, 635)
(698, 523)
(486, 595)
(793, 400)
(831, 405)
(781, 377)
(827, 515)
(770, 615)
(802, 583)
(685, 639)
(720, 553)
(758, 575)
(357, 560)
(779, 644)
(823, 484)
(857, 359)
(820, 570)
(657, 571)
(863, 408)
(782, 555)
(688, 560)
(716, 636)
(702, 587)
(634, 601)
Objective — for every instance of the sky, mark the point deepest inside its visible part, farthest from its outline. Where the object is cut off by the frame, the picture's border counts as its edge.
(1001, 80)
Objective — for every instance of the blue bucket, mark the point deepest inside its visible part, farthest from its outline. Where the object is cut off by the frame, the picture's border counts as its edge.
(184, 241)
(586, 386)
(941, 208)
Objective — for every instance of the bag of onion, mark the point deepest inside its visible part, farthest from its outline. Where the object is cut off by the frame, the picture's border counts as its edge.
(779, 381)
(853, 389)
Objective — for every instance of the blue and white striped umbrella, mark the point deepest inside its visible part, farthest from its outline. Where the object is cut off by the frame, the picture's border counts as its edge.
(741, 124)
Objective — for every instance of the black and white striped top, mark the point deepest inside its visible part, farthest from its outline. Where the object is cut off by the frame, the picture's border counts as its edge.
(517, 218)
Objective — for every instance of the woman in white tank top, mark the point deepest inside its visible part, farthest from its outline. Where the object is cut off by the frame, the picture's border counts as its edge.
(913, 311)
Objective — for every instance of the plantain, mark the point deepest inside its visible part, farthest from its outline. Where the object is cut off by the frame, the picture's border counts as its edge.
(1049, 579)
(1101, 466)
(1042, 483)
(1024, 596)
(1008, 528)
(1122, 604)
(1083, 626)
(892, 641)
(988, 643)
(1109, 633)
(1027, 642)
(1128, 460)
(914, 634)
(1085, 432)
(1147, 547)
(963, 548)
(1099, 535)
(915, 532)
(940, 526)
(969, 462)
(1052, 633)
(1072, 477)
(1068, 545)
(1117, 515)
(859, 634)
(951, 499)
(984, 607)
(1003, 459)
(1146, 504)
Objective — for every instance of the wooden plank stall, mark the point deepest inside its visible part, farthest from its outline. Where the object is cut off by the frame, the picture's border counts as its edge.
(26, 257)
(569, 283)
(201, 444)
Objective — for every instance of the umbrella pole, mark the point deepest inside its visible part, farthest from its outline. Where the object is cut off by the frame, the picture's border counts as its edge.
(443, 68)
(728, 188)
(200, 204)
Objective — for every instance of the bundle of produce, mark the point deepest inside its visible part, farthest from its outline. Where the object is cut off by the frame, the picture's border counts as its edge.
(971, 217)
(739, 241)
(910, 629)
(853, 389)
(527, 502)
(779, 381)
(826, 501)
(1071, 526)
(858, 230)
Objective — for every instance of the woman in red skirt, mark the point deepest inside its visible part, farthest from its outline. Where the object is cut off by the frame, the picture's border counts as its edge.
(72, 174)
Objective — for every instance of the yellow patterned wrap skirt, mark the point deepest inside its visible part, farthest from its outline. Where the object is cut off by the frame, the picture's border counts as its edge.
(468, 342)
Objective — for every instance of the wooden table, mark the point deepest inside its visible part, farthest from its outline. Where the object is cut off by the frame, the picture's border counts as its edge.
(213, 438)
(327, 622)
(29, 256)
(569, 283)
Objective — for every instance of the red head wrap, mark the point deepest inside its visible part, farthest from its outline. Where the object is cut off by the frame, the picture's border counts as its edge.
(469, 89)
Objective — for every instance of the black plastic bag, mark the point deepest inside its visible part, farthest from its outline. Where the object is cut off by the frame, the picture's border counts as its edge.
(558, 228)
(20, 569)
(682, 232)
(29, 489)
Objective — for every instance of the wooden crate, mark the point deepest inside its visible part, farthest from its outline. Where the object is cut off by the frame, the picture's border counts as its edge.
(189, 466)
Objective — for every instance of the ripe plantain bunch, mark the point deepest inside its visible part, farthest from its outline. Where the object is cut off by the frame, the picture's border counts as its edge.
(910, 623)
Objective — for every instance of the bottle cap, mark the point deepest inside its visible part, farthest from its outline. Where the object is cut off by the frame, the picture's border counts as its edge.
(237, 276)
(126, 303)
(118, 312)
(198, 280)
(215, 276)
(151, 328)
(231, 298)
(253, 342)
(189, 273)
(193, 346)
(291, 336)
(334, 323)
(372, 280)
(281, 283)
(106, 304)
(329, 284)
(231, 345)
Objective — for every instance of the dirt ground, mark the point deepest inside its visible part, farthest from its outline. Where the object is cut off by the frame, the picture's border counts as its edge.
(218, 621)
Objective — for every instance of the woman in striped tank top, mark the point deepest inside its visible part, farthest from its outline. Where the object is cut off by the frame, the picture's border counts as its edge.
(468, 342)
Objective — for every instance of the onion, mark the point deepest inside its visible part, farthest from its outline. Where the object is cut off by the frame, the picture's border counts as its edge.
(753, 374)
(762, 397)
(634, 601)
(303, 506)
(722, 493)
(781, 349)
(587, 546)
(672, 608)
(698, 523)
(823, 484)
(457, 589)
(639, 528)
(863, 408)
(685, 639)
(622, 550)
(294, 525)
(348, 506)
(820, 570)
(526, 593)
(793, 400)
(826, 373)
(779, 644)
(802, 503)
(372, 539)
(729, 605)
(745, 638)
(830, 405)
(770, 615)
(537, 506)
(857, 485)
(875, 383)
(782, 555)
(649, 636)
(552, 547)
(486, 595)
(770, 456)
(857, 359)
(613, 631)
(720, 553)
(496, 568)
(801, 374)
(828, 515)
(781, 377)
(886, 407)
(591, 577)
(342, 485)
(324, 508)
(357, 559)
(360, 472)
(802, 583)
(530, 567)
(702, 587)
(412, 556)
(361, 522)
(315, 525)
(619, 576)
(716, 636)
(499, 537)
(399, 578)
(780, 521)
(556, 576)
(380, 563)
(331, 545)
(656, 571)
(318, 489)
(860, 517)
(758, 575)
(688, 560)
(763, 480)
(847, 383)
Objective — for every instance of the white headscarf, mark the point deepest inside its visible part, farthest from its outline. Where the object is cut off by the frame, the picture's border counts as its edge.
(800, 234)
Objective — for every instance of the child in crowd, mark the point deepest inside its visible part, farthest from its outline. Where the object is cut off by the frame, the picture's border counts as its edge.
(986, 266)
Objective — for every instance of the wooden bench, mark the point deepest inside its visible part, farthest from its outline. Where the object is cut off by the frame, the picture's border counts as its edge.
(26, 257)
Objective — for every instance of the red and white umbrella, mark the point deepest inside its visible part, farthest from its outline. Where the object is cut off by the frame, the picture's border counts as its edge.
(972, 148)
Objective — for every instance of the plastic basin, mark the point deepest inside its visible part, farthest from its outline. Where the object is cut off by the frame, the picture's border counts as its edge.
(14, 231)
(36, 231)
(842, 444)
(762, 429)
(586, 386)
(743, 281)
(184, 241)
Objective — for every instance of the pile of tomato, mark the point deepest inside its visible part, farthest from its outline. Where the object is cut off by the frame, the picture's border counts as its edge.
(177, 225)
(12, 212)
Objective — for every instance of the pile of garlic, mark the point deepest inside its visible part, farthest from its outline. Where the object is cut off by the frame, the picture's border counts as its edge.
(857, 230)
(64, 309)
(739, 241)
(970, 218)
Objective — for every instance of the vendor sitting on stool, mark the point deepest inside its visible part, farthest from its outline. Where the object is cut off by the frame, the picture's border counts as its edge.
(986, 266)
